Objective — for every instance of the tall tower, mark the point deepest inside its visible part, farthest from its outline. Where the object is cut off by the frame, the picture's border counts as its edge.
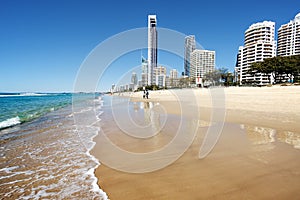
(134, 79)
(259, 44)
(189, 47)
(152, 48)
(289, 38)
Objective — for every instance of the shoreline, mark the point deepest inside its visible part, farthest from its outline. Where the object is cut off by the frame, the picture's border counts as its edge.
(266, 143)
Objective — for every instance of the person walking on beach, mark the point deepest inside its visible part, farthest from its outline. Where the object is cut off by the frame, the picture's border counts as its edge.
(144, 94)
(147, 94)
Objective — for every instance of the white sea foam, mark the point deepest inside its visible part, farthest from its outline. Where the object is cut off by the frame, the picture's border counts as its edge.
(23, 94)
(87, 132)
(9, 169)
(32, 94)
(83, 110)
(57, 168)
(10, 122)
(91, 171)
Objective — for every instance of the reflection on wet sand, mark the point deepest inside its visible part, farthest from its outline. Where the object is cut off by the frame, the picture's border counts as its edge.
(136, 107)
(266, 137)
(152, 115)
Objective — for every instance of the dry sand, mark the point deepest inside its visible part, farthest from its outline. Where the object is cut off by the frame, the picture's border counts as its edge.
(256, 157)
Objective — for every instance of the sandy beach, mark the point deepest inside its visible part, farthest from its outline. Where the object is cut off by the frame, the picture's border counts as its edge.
(256, 156)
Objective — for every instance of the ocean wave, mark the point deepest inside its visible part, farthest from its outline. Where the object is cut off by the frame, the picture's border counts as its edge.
(30, 94)
(10, 122)
(55, 165)
(24, 94)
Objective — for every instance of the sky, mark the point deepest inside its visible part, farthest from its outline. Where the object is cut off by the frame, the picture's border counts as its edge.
(43, 43)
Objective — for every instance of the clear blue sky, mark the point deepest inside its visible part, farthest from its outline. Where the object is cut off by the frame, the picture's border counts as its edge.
(44, 42)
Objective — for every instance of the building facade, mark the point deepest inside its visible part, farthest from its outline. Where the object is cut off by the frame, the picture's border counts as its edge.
(134, 79)
(259, 44)
(173, 80)
(160, 80)
(144, 74)
(160, 76)
(173, 73)
(202, 62)
(289, 38)
(160, 70)
(152, 48)
(189, 47)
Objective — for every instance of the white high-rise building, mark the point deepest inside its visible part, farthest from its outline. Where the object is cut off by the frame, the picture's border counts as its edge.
(189, 47)
(202, 62)
(144, 75)
(259, 44)
(134, 79)
(160, 70)
(144, 79)
(173, 80)
(152, 48)
(160, 76)
(289, 38)
(239, 63)
(173, 73)
(113, 88)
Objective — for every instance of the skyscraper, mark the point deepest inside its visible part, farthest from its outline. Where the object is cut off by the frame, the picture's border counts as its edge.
(202, 62)
(144, 78)
(259, 44)
(189, 47)
(152, 48)
(289, 38)
(134, 79)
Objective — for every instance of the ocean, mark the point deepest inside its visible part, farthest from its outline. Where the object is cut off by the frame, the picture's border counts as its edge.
(44, 152)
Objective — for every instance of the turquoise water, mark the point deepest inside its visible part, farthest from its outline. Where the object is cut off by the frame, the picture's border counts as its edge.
(17, 108)
(45, 152)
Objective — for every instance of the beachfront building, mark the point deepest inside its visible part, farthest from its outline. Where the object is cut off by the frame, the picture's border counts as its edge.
(121, 88)
(160, 76)
(173, 73)
(144, 75)
(289, 38)
(239, 63)
(173, 80)
(113, 88)
(134, 81)
(144, 79)
(132, 87)
(189, 47)
(160, 70)
(152, 48)
(202, 62)
(160, 80)
(259, 44)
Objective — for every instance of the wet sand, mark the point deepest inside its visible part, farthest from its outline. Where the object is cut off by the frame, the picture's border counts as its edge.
(256, 157)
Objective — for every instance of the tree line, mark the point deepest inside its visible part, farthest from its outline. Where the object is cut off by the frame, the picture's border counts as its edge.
(218, 77)
(282, 69)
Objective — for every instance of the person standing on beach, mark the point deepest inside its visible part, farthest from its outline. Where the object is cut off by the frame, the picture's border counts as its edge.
(144, 94)
(147, 94)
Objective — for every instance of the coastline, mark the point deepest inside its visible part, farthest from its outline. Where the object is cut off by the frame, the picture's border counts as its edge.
(256, 157)
(47, 157)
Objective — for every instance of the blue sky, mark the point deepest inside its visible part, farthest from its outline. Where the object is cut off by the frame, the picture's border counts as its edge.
(44, 42)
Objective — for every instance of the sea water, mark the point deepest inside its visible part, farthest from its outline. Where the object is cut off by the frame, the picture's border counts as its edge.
(43, 152)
